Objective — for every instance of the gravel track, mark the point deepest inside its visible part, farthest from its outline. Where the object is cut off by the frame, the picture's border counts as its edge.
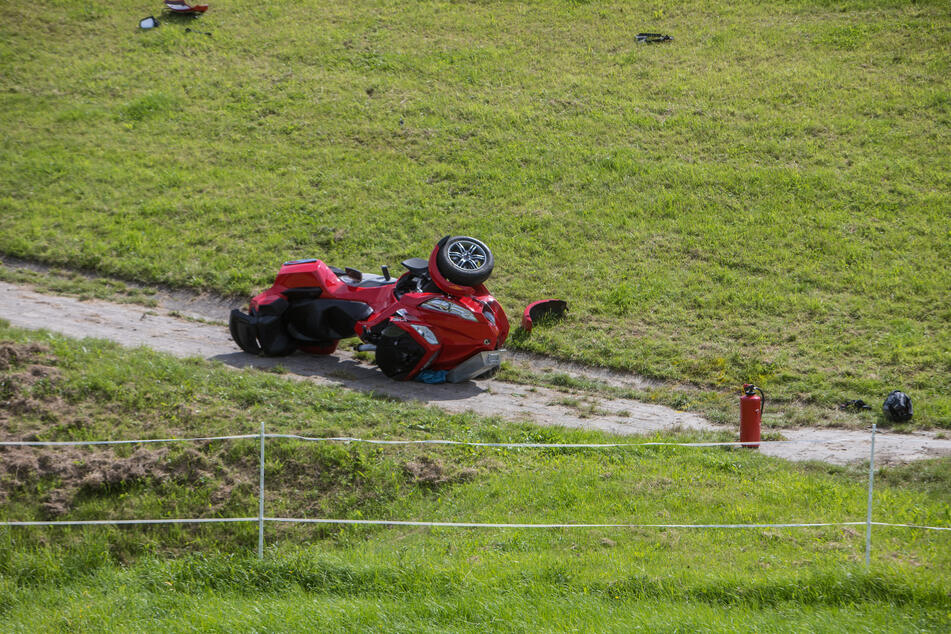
(180, 326)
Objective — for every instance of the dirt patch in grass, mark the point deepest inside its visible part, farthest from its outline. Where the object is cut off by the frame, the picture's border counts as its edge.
(67, 473)
(13, 354)
(25, 367)
(431, 472)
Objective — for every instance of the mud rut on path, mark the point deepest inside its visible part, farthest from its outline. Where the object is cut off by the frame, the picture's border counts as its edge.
(175, 328)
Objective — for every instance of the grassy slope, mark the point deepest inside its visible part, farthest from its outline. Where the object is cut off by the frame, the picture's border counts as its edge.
(763, 199)
(410, 579)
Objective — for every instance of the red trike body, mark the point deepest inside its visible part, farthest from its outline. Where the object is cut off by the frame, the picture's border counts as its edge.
(421, 321)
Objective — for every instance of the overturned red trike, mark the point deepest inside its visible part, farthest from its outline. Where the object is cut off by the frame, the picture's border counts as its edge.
(437, 322)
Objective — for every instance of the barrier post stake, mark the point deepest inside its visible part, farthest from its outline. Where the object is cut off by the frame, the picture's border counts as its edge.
(261, 500)
(868, 514)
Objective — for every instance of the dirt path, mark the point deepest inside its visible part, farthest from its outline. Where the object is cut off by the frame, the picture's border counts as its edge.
(174, 328)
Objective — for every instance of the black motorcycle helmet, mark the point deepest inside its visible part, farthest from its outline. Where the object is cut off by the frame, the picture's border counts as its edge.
(897, 407)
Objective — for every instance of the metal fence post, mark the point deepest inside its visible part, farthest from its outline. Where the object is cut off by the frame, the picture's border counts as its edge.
(261, 500)
(868, 514)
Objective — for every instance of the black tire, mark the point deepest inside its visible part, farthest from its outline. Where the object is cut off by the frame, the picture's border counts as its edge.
(271, 329)
(397, 353)
(464, 260)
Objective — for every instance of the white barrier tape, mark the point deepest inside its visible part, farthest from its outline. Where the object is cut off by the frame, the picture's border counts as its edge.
(209, 520)
(349, 439)
(929, 528)
(65, 443)
(491, 525)
(535, 445)
(297, 520)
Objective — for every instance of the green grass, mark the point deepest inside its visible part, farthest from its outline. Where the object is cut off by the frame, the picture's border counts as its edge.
(763, 199)
(67, 282)
(301, 590)
(416, 579)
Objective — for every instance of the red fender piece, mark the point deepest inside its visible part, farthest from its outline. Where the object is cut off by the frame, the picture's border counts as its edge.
(542, 309)
(327, 349)
(451, 288)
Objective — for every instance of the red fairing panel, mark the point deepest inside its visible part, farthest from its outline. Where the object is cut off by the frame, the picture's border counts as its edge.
(316, 274)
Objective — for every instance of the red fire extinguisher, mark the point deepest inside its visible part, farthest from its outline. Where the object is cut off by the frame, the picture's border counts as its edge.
(751, 415)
